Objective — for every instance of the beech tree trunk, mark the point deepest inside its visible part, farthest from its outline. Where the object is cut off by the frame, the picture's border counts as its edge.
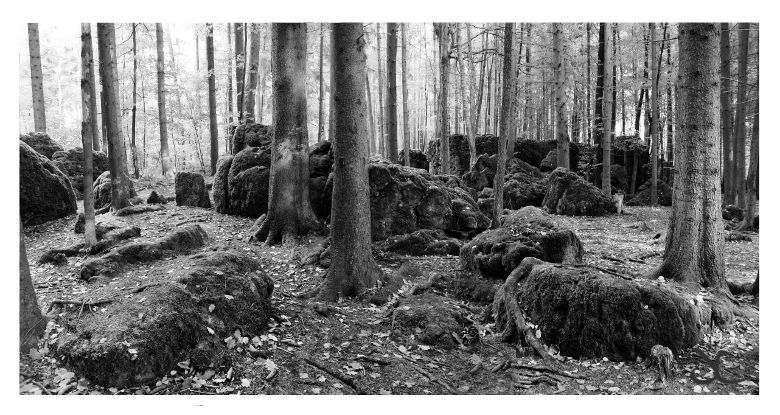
(405, 96)
(240, 69)
(213, 128)
(289, 214)
(321, 98)
(352, 268)
(31, 321)
(133, 148)
(739, 120)
(562, 133)
(228, 143)
(606, 124)
(36, 78)
(694, 242)
(381, 87)
(598, 110)
(653, 119)
(391, 125)
(251, 76)
(669, 98)
(506, 124)
(88, 133)
(442, 32)
(726, 118)
(471, 126)
(121, 186)
(164, 154)
(372, 128)
(587, 85)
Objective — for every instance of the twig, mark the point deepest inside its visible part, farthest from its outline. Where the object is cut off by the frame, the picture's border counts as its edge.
(82, 303)
(347, 381)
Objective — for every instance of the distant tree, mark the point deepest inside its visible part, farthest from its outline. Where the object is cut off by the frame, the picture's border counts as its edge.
(694, 241)
(133, 108)
(36, 77)
(31, 321)
(654, 118)
(162, 114)
(240, 69)
(352, 270)
(121, 186)
(562, 128)
(251, 76)
(506, 124)
(391, 125)
(752, 179)
(290, 215)
(321, 97)
(213, 130)
(380, 83)
(228, 144)
(740, 131)
(405, 95)
(587, 85)
(606, 112)
(598, 109)
(443, 34)
(467, 95)
(371, 127)
(88, 133)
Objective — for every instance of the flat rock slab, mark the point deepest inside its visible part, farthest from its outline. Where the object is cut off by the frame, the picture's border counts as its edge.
(137, 337)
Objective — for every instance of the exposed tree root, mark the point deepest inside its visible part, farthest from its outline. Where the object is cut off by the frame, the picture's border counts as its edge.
(345, 380)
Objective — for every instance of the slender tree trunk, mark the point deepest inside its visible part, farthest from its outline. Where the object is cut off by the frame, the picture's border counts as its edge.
(506, 124)
(613, 93)
(726, 118)
(752, 180)
(372, 128)
(694, 242)
(562, 133)
(442, 32)
(251, 76)
(133, 148)
(289, 211)
(405, 95)
(653, 119)
(606, 138)
(352, 270)
(228, 142)
(121, 186)
(88, 133)
(240, 69)
(599, 123)
(587, 84)
(321, 98)
(36, 78)
(31, 322)
(213, 128)
(468, 100)
(89, 73)
(381, 88)
(669, 114)
(739, 120)
(164, 154)
(481, 88)
(392, 101)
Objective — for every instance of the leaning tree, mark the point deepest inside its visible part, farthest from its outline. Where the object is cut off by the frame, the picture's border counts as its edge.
(290, 215)
(694, 242)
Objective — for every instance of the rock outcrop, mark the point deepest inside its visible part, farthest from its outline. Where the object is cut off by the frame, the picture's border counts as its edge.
(71, 162)
(45, 193)
(191, 190)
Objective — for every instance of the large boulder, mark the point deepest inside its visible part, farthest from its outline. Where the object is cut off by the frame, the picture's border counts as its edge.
(417, 159)
(71, 162)
(528, 232)
(141, 335)
(570, 194)
(459, 155)
(432, 320)
(642, 195)
(586, 313)
(102, 189)
(320, 178)
(251, 135)
(421, 242)
(241, 183)
(45, 193)
(42, 143)
(191, 190)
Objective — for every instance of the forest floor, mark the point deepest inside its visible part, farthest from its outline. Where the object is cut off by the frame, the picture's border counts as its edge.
(352, 339)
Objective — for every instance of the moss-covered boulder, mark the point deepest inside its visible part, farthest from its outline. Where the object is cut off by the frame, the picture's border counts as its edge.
(45, 193)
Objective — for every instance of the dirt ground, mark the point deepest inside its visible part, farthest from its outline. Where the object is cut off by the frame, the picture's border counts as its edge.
(352, 341)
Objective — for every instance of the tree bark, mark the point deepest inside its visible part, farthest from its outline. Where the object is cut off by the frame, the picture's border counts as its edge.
(88, 71)
(506, 124)
(381, 87)
(250, 88)
(36, 78)
(121, 186)
(133, 148)
(372, 127)
(164, 154)
(240, 69)
(587, 85)
(228, 143)
(391, 126)
(669, 113)
(694, 242)
(598, 110)
(653, 119)
(352, 270)
(752, 180)
(289, 211)
(466, 95)
(321, 97)
(442, 32)
(606, 137)
(88, 123)
(739, 119)
(405, 95)
(213, 128)
(562, 133)
(726, 118)
(31, 322)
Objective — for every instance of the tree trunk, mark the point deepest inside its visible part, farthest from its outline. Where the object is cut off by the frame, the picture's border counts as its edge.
(121, 187)
(228, 142)
(694, 242)
(506, 124)
(468, 100)
(240, 69)
(442, 32)
(587, 84)
(372, 127)
(251, 74)
(213, 130)
(381, 88)
(164, 154)
(321, 98)
(562, 133)
(606, 134)
(405, 95)
(88, 73)
(36, 78)
(133, 148)
(740, 131)
(726, 118)
(289, 211)
(31, 322)
(669, 114)
(392, 101)
(88, 123)
(752, 179)
(653, 119)
(598, 110)
(352, 270)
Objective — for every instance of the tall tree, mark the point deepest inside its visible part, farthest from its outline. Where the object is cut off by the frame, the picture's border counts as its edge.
(380, 84)
(213, 130)
(506, 124)
(391, 125)
(36, 77)
(606, 111)
(443, 33)
(321, 98)
(694, 242)
(587, 84)
(669, 116)
(599, 120)
(466, 94)
(752, 179)
(121, 186)
(228, 144)
(290, 215)
(740, 131)
(653, 118)
(352, 270)
(31, 322)
(371, 127)
(405, 95)
(88, 133)
(251, 76)
(240, 69)
(726, 118)
(562, 133)
(133, 148)
(164, 154)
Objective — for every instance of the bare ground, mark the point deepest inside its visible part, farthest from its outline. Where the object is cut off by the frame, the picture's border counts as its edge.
(352, 340)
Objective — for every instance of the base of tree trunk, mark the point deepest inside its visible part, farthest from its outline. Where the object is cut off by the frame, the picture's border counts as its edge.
(280, 232)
